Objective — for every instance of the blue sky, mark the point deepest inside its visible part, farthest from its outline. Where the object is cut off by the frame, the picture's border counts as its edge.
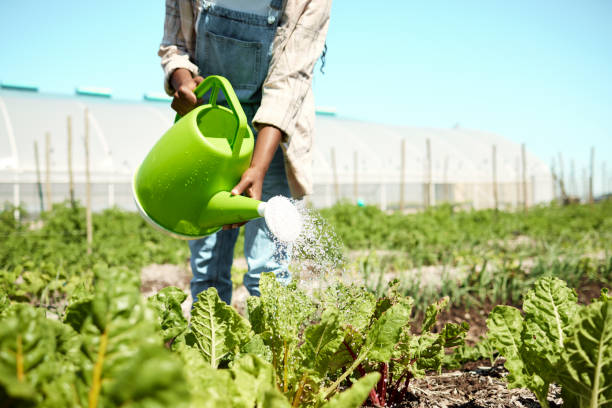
(538, 72)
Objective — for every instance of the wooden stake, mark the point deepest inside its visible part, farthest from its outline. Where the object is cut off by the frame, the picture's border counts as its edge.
(494, 164)
(38, 178)
(402, 175)
(335, 173)
(592, 172)
(70, 177)
(524, 160)
(428, 174)
(88, 186)
(446, 185)
(518, 182)
(48, 170)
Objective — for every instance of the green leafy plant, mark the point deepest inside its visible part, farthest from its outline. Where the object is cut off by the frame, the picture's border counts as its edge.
(557, 340)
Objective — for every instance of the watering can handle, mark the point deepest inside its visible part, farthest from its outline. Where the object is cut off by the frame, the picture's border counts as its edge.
(215, 82)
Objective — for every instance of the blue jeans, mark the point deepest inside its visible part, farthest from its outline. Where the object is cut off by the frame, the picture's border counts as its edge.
(212, 256)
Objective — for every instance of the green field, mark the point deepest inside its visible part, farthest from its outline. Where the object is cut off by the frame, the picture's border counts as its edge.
(76, 331)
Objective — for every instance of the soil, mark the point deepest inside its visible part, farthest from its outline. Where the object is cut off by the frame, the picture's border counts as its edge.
(476, 386)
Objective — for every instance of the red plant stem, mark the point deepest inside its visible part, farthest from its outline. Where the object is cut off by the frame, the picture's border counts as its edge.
(382, 383)
(373, 395)
(359, 367)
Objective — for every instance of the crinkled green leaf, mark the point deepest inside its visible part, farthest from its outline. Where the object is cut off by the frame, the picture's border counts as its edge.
(385, 333)
(425, 352)
(117, 325)
(253, 377)
(26, 344)
(453, 334)
(354, 305)
(152, 379)
(256, 346)
(285, 308)
(274, 399)
(587, 357)
(321, 341)
(219, 330)
(431, 314)
(505, 324)
(37, 359)
(550, 308)
(356, 395)
(167, 303)
(464, 353)
(279, 317)
(380, 341)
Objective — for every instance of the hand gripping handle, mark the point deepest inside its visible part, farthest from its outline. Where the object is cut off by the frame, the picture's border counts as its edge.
(214, 83)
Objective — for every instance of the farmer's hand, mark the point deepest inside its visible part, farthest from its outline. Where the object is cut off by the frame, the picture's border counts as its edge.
(252, 179)
(183, 83)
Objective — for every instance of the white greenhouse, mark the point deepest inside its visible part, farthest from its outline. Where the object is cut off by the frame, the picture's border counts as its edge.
(370, 163)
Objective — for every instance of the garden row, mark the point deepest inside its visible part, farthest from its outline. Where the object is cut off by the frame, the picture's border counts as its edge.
(111, 347)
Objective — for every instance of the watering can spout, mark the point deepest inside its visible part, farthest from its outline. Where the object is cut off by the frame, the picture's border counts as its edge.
(224, 208)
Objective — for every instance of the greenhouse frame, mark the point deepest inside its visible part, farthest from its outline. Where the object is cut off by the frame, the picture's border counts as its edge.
(392, 167)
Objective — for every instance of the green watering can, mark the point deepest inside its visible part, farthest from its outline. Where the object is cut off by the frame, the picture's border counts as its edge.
(182, 186)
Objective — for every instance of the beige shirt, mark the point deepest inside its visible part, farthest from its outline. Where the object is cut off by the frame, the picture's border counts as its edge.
(287, 100)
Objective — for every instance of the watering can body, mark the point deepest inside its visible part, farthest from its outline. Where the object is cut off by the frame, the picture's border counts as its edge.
(182, 186)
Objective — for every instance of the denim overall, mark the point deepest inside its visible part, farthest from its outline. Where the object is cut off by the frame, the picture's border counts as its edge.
(237, 45)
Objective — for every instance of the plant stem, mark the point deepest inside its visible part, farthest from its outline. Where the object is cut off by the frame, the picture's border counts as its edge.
(19, 359)
(382, 383)
(96, 383)
(329, 390)
(352, 353)
(298, 394)
(285, 379)
(373, 395)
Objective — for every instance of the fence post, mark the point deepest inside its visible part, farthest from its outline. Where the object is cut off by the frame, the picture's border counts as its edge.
(88, 186)
(335, 173)
(427, 192)
(70, 176)
(517, 165)
(48, 170)
(38, 178)
(446, 185)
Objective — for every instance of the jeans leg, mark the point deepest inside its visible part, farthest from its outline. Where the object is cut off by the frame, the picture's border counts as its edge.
(211, 263)
(263, 255)
(261, 252)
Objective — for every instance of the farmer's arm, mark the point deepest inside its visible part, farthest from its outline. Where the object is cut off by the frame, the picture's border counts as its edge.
(298, 44)
(299, 41)
(176, 52)
(268, 139)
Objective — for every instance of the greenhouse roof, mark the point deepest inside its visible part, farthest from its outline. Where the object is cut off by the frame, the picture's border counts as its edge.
(122, 132)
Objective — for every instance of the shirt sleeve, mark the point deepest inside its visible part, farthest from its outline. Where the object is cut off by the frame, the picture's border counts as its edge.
(177, 43)
(298, 44)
